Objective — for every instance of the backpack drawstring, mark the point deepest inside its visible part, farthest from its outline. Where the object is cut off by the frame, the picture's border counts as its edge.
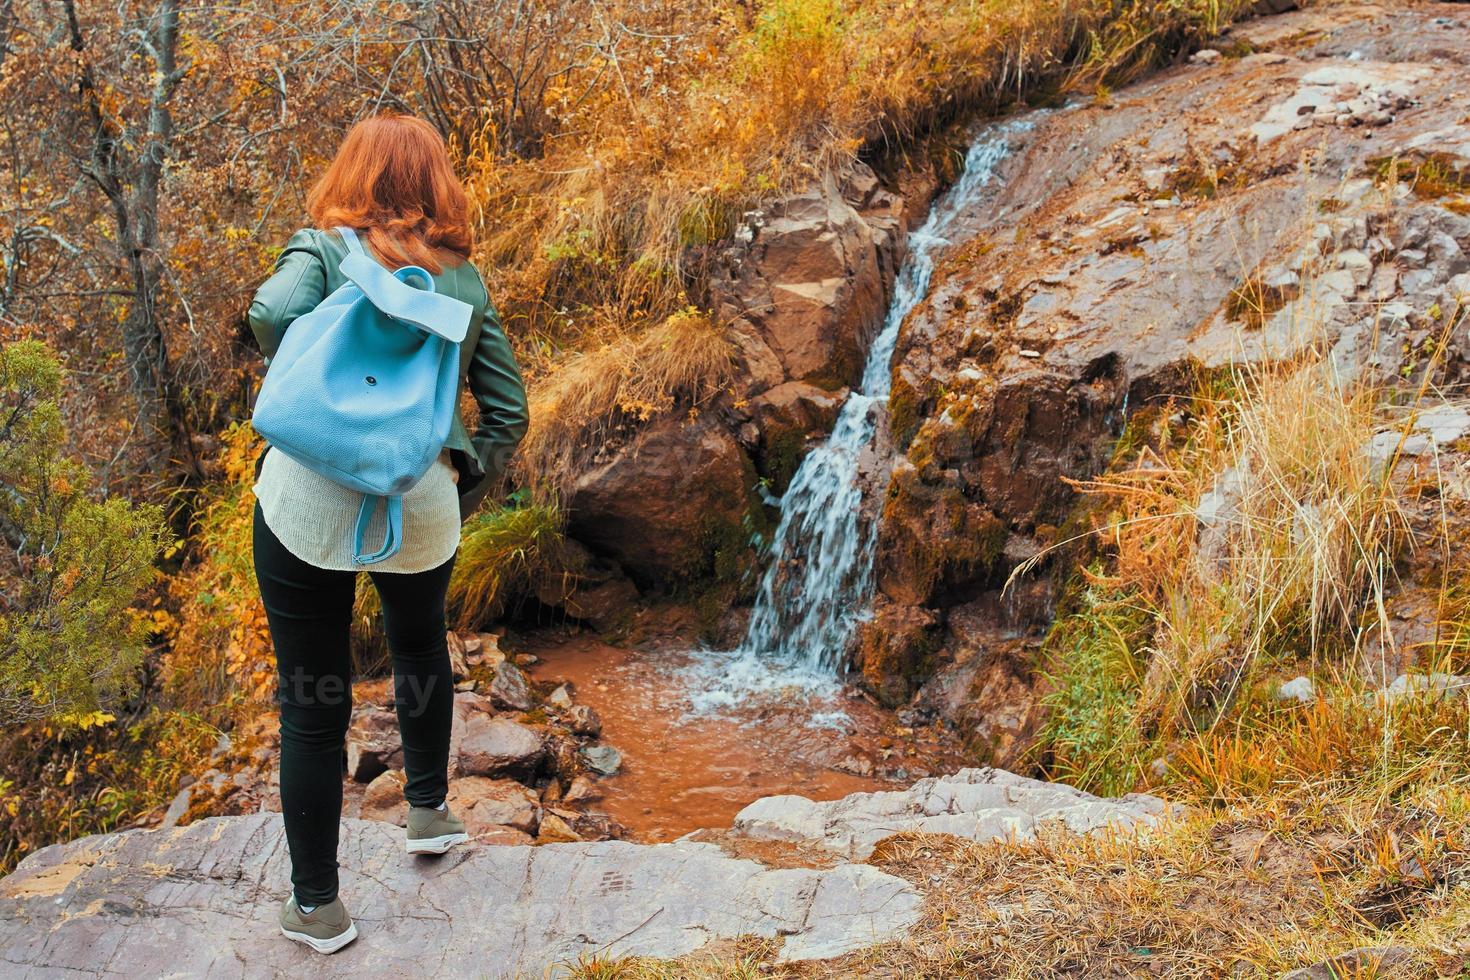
(392, 534)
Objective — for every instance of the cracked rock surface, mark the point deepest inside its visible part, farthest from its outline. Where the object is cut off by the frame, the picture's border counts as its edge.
(202, 901)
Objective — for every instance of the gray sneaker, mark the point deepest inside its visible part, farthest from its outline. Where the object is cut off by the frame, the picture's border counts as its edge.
(326, 929)
(433, 831)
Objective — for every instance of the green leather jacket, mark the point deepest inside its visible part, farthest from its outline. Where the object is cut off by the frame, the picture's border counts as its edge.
(307, 271)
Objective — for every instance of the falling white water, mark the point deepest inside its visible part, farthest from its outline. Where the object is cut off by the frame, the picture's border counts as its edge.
(818, 586)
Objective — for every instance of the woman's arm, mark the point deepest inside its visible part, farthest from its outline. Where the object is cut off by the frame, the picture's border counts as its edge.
(495, 381)
(296, 286)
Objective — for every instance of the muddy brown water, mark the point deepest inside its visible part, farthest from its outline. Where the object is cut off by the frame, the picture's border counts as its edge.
(684, 772)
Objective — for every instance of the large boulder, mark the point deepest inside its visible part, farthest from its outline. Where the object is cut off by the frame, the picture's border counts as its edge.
(202, 901)
(663, 504)
(494, 746)
(783, 424)
(807, 281)
(988, 683)
(977, 804)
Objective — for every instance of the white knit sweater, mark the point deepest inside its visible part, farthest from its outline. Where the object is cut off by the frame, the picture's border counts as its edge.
(314, 516)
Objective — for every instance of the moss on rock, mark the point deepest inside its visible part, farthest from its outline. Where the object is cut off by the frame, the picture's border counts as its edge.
(896, 651)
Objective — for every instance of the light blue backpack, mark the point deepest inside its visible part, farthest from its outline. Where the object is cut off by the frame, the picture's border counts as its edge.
(362, 389)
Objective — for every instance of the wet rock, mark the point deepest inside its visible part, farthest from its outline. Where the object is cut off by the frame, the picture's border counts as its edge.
(211, 890)
(796, 405)
(484, 804)
(510, 689)
(373, 744)
(583, 719)
(978, 804)
(561, 697)
(785, 421)
(582, 790)
(894, 649)
(383, 799)
(988, 685)
(663, 502)
(565, 756)
(603, 759)
(498, 747)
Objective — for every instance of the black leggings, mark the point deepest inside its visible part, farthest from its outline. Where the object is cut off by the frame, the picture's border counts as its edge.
(310, 612)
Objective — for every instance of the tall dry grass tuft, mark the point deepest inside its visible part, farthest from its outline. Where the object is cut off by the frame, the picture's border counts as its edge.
(682, 360)
(1250, 529)
(1300, 530)
(499, 553)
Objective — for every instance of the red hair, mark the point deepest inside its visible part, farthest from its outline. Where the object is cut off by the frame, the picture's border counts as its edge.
(392, 179)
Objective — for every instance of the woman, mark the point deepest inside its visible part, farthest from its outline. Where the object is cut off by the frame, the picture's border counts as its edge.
(393, 182)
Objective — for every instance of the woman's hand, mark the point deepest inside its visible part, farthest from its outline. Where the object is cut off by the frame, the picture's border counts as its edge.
(470, 500)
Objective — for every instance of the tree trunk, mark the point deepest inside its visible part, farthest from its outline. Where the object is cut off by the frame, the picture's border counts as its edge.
(135, 211)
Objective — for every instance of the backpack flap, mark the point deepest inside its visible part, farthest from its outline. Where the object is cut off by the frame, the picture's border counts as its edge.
(392, 293)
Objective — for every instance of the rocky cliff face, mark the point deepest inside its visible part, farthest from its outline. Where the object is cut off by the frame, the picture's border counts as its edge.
(1132, 241)
(1138, 239)
(803, 285)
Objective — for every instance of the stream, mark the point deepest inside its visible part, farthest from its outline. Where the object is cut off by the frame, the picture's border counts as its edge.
(705, 732)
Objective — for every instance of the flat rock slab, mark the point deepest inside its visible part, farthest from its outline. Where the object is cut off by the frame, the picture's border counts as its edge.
(201, 901)
(977, 804)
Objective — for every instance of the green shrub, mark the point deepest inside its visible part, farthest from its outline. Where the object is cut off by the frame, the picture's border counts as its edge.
(73, 566)
(1092, 731)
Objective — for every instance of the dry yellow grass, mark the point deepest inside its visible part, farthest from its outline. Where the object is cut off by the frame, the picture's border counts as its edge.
(682, 360)
(1246, 529)
(1306, 529)
(1248, 892)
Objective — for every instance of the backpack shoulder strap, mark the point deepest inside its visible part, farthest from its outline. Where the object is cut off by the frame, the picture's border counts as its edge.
(350, 239)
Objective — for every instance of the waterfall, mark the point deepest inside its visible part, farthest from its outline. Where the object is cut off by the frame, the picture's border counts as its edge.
(818, 585)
